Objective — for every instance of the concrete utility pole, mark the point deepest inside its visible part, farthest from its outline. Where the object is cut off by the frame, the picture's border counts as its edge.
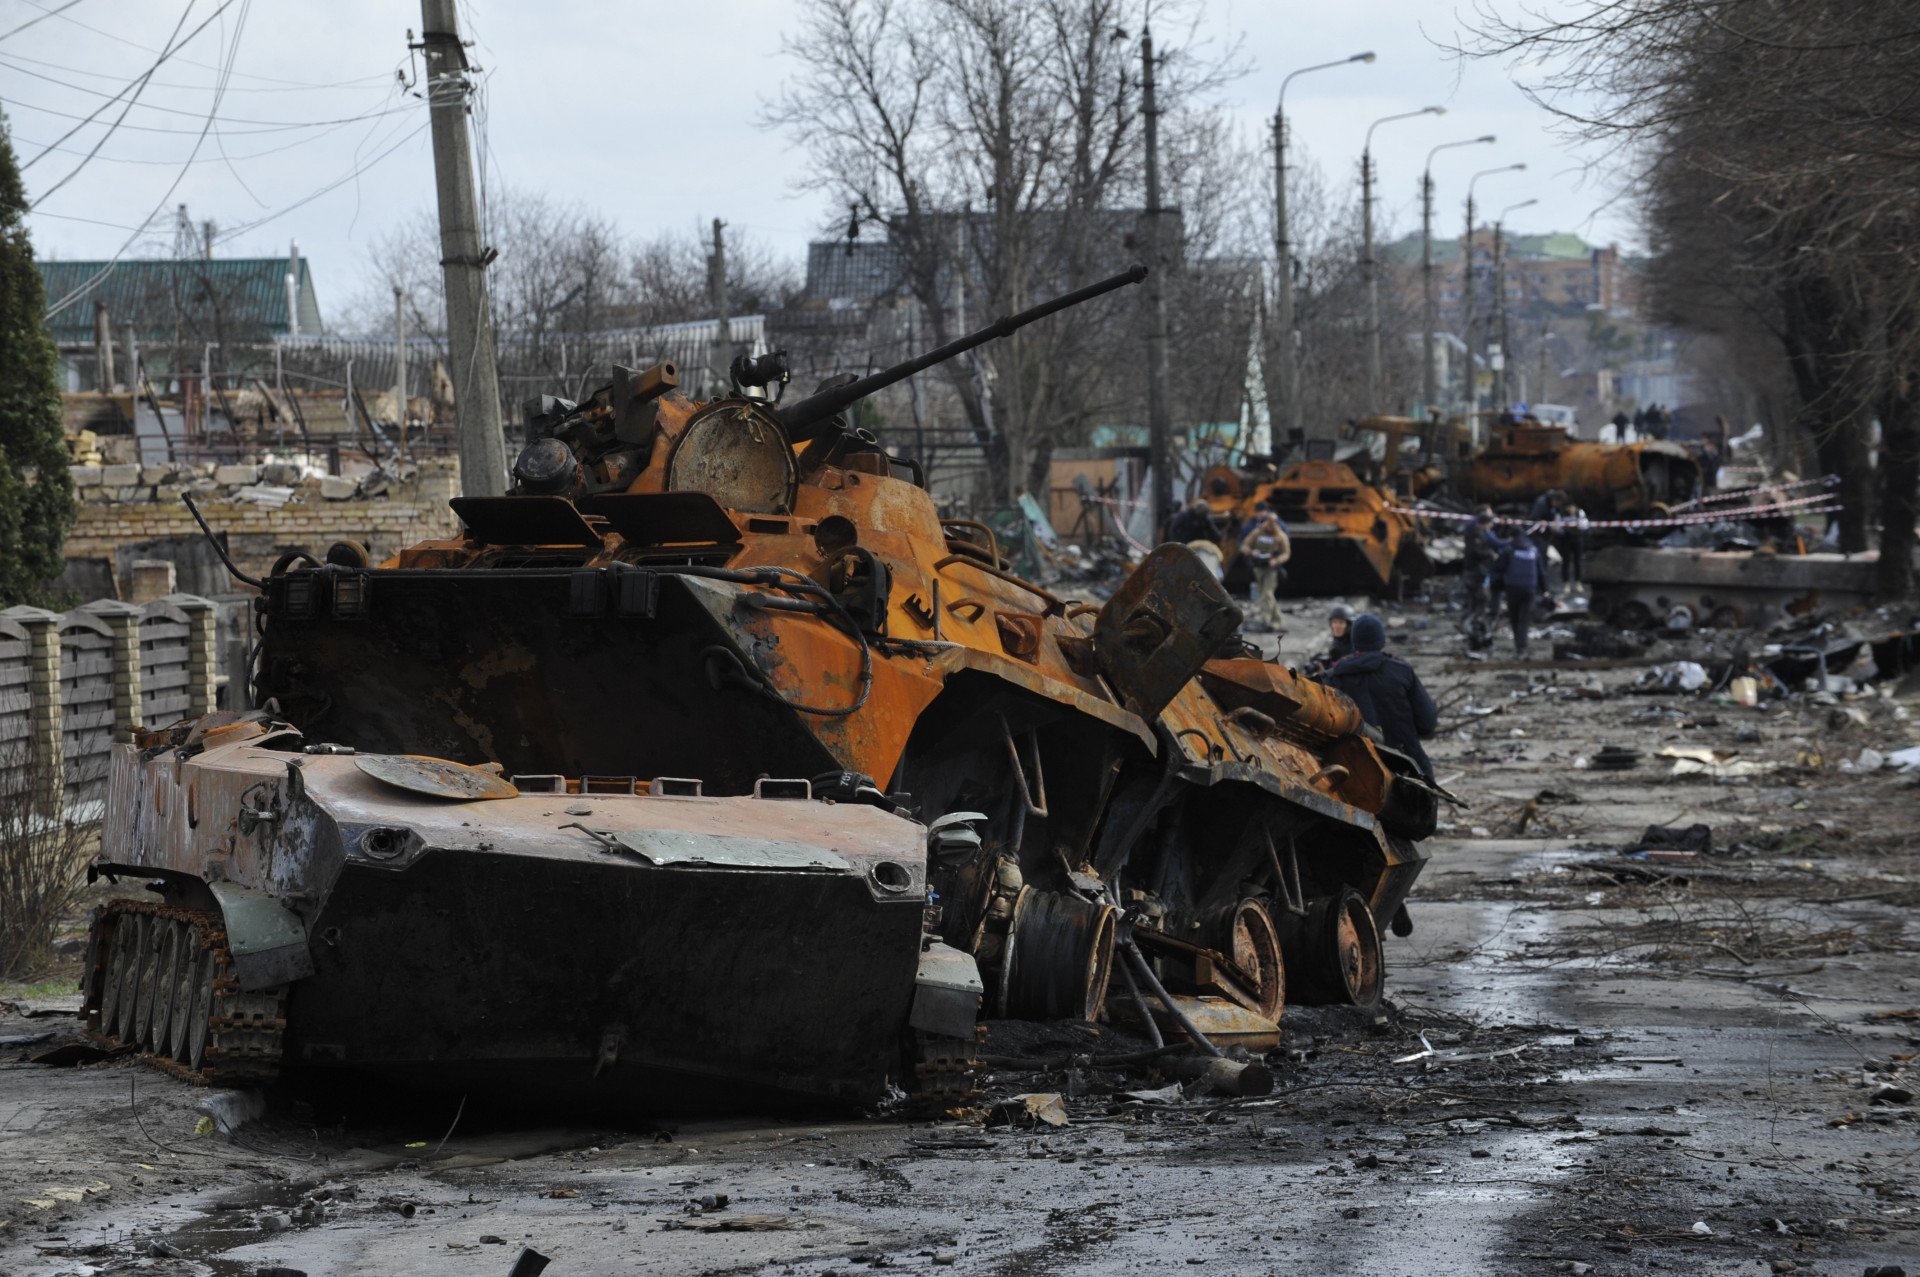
(463, 258)
(721, 357)
(400, 367)
(1429, 316)
(1288, 365)
(1500, 385)
(1159, 421)
(1470, 390)
(1369, 268)
(102, 348)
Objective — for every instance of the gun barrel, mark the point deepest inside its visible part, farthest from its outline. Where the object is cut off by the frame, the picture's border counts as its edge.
(799, 417)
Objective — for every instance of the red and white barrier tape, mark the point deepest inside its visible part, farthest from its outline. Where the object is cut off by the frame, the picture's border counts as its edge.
(1796, 506)
(1824, 481)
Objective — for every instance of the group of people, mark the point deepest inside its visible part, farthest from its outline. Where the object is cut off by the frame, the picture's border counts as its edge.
(1385, 689)
(1263, 544)
(1515, 567)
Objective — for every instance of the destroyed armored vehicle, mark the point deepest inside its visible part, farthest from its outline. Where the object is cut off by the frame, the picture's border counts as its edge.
(709, 768)
(1526, 458)
(1346, 535)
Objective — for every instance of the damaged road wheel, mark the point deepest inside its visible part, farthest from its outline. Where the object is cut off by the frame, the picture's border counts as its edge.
(1333, 955)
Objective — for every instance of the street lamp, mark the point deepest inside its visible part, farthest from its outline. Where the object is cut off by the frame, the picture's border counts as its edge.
(1283, 249)
(1428, 317)
(1472, 395)
(1368, 267)
(1500, 298)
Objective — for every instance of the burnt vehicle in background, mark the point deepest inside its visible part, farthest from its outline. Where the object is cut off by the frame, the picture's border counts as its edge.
(709, 767)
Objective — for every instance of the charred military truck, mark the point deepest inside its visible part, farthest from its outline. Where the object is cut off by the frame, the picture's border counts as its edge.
(710, 767)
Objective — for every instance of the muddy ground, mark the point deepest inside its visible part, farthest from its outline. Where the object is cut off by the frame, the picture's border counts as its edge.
(1590, 1062)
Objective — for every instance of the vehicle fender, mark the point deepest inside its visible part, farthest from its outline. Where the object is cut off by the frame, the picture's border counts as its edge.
(267, 940)
(946, 992)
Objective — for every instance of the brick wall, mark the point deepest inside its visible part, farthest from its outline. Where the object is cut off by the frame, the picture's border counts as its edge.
(408, 510)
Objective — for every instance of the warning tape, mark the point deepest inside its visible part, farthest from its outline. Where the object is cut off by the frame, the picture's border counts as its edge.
(1744, 493)
(1795, 506)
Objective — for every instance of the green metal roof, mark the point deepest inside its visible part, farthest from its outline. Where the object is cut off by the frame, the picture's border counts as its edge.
(1553, 246)
(224, 299)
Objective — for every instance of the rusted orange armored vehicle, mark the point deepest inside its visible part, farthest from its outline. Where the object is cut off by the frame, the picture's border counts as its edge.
(709, 768)
(1346, 536)
(1608, 480)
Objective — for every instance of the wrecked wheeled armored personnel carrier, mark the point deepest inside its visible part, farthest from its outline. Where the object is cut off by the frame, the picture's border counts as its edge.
(710, 767)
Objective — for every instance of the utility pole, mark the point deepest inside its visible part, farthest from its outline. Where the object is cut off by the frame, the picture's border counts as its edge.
(721, 357)
(1372, 276)
(1289, 363)
(1288, 370)
(400, 368)
(1500, 385)
(1370, 269)
(1159, 424)
(1469, 285)
(1430, 316)
(463, 257)
(102, 347)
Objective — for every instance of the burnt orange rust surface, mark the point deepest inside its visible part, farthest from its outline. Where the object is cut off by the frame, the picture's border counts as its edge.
(1329, 495)
(1526, 458)
(946, 596)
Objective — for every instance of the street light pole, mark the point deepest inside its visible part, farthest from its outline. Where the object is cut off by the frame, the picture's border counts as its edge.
(1369, 268)
(1469, 391)
(1287, 366)
(1429, 316)
(1500, 300)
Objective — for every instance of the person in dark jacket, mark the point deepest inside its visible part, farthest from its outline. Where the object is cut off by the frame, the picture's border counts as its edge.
(1523, 578)
(1339, 641)
(1483, 549)
(1387, 691)
(1194, 523)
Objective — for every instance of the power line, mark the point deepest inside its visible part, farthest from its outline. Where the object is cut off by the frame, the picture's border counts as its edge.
(219, 92)
(120, 39)
(179, 84)
(169, 110)
(42, 18)
(155, 128)
(137, 86)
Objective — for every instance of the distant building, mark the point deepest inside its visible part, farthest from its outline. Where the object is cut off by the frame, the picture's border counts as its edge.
(1555, 272)
(168, 312)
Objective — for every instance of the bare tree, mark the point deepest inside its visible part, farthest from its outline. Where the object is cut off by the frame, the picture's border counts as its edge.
(1782, 144)
(999, 142)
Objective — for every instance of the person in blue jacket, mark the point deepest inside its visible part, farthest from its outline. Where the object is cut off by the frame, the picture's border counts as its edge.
(1387, 692)
(1522, 573)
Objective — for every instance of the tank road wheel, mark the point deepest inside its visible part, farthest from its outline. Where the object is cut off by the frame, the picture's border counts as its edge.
(132, 939)
(164, 973)
(166, 987)
(186, 980)
(200, 975)
(1058, 958)
(1333, 955)
(113, 956)
(153, 932)
(1256, 951)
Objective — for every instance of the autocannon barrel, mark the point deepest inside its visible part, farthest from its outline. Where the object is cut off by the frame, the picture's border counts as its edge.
(799, 418)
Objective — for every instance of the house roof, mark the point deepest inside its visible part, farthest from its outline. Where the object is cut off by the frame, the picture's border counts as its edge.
(1553, 246)
(226, 298)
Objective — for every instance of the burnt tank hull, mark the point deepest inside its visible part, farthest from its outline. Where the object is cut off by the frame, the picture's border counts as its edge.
(662, 952)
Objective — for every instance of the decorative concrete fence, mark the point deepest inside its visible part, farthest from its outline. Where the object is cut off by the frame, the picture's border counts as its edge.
(73, 683)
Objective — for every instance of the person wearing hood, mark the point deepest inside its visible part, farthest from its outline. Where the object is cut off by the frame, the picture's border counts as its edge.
(1387, 691)
(1339, 640)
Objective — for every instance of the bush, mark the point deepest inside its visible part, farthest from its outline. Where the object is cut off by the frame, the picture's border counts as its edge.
(43, 852)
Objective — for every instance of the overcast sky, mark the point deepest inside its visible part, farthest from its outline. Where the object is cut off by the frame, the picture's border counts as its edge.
(643, 111)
